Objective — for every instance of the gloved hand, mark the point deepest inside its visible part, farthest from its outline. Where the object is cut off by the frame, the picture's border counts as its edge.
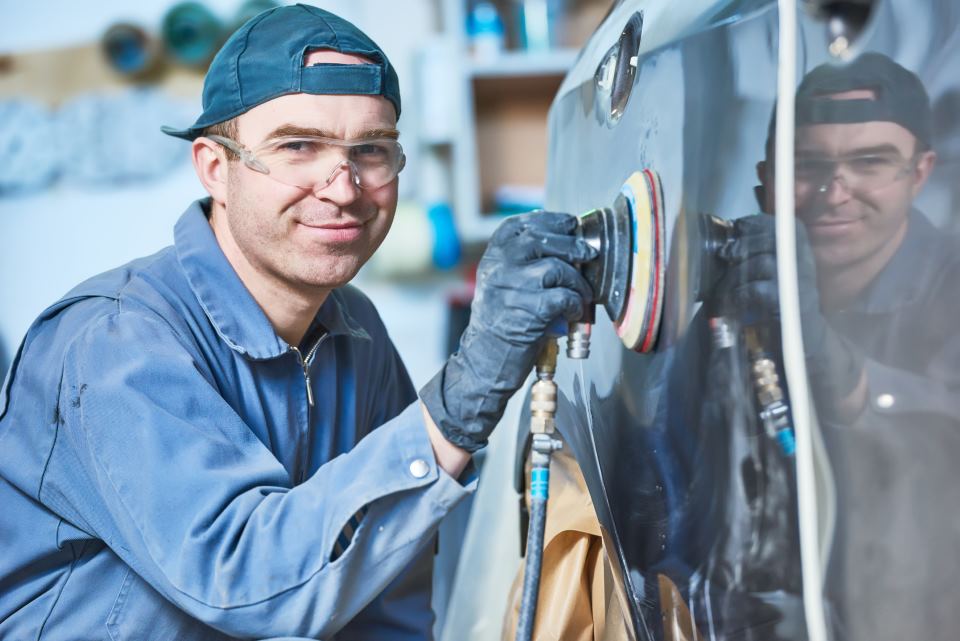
(525, 280)
(749, 286)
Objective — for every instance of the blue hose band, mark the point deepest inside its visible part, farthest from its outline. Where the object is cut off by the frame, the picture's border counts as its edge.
(539, 483)
(788, 444)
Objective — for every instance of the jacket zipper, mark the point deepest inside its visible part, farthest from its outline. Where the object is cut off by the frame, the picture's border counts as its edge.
(305, 364)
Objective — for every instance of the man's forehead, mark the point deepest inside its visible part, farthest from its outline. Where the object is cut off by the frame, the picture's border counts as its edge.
(837, 139)
(291, 129)
(333, 116)
(851, 94)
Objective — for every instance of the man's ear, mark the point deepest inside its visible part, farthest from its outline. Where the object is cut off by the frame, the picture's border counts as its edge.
(763, 189)
(925, 165)
(210, 163)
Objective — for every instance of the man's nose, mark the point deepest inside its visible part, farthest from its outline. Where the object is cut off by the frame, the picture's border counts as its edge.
(835, 189)
(342, 186)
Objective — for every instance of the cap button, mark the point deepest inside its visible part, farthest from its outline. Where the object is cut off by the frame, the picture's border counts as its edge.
(419, 468)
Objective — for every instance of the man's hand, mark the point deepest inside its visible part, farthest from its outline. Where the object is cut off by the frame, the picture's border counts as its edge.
(525, 281)
(749, 287)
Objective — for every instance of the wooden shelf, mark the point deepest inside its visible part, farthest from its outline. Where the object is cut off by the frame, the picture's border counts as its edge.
(490, 129)
(57, 75)
(511, 131)
(520, 64)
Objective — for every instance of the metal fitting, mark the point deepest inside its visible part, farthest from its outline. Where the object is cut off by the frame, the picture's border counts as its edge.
(547, 359)
(766, 381)
(578, 341)
(543, 396)
(542, 447)
(774, 412)
(543, 407)
(723, 331)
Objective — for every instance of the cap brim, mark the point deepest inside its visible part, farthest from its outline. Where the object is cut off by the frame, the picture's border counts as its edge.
(190, 133)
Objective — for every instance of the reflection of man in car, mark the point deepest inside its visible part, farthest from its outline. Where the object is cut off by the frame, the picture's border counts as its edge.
(710, 502)
(863, 153)
(882, 349)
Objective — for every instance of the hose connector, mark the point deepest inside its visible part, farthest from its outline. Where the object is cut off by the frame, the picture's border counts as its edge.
(543, 396)
(578, 340)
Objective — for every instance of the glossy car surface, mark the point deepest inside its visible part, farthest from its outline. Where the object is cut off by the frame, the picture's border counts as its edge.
(687, 483)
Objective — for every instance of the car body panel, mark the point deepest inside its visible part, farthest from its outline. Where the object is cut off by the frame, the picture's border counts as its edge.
(685, 482)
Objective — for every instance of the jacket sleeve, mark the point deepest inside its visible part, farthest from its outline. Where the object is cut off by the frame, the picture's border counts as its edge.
(403, 610)
(169, 476)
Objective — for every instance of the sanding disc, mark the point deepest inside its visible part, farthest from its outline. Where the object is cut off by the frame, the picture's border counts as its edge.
(641, 320)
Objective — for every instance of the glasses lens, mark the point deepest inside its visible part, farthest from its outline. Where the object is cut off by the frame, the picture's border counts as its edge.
(377, 162)
(858, 173)
(308, 162)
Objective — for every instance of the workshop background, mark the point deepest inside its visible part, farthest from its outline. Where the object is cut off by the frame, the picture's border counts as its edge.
(88, 182)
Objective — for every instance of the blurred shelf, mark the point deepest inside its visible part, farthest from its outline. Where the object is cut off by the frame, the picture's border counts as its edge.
(484, 121)
(519, 64)
(54, 76)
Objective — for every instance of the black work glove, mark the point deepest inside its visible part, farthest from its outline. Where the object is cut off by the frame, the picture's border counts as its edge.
(749, 286)
(525, 281)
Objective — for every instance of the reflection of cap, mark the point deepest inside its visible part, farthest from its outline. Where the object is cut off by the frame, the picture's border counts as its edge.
(899, 96)
(264, 60)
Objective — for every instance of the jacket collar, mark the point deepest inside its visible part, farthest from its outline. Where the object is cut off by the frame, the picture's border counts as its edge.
(234, 313)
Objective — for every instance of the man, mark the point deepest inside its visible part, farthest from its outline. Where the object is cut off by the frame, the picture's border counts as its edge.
(187, 443)
(878, 306)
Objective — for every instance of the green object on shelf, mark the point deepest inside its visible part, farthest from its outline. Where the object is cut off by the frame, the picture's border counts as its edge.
(249, 9)
(537, 22)
(192, 34)
(129, 50)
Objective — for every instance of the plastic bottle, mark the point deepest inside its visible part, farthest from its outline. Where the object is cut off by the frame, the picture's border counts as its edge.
(485, 30)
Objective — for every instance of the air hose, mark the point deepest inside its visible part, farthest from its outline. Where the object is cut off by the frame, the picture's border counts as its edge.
(543, 410)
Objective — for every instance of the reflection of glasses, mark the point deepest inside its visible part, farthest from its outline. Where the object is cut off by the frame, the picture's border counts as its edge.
(856, 173)
(312, 162)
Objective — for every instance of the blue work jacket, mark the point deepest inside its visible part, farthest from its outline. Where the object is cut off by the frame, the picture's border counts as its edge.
(170, 468)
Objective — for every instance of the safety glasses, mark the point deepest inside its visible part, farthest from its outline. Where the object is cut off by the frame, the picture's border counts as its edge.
(312, 162)
(861, 173)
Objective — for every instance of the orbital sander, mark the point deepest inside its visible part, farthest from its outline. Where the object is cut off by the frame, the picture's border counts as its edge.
(627, 275)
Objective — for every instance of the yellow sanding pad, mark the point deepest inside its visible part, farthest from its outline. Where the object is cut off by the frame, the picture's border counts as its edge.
(641, 319)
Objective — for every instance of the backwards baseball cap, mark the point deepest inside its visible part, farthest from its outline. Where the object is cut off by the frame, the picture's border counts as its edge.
(898, 96)
(264, 59)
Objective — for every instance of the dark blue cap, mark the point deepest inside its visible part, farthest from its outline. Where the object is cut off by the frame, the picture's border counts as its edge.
(263, 60)
(899, 96)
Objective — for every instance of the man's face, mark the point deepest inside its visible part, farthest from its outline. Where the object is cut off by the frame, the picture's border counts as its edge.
(310, 239)
(846, 222)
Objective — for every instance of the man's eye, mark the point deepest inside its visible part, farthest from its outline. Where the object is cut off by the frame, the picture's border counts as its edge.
(297, 146)
(870, 163)
(370, 151)
(810, 166)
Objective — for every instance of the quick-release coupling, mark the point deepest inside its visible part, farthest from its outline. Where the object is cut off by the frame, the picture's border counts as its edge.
(543, 407)
(543, 396)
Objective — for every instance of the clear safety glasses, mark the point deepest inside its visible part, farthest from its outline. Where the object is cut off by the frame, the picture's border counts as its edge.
(312, 162)
(861, 174)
